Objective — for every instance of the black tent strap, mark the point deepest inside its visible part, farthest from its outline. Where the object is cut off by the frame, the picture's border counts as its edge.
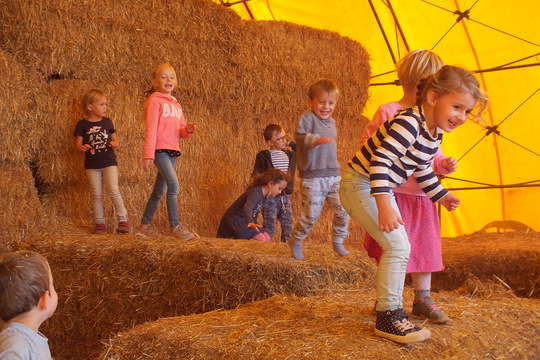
(504, 32)
(494, 129)
(466, 15)
(521, 146)
(497, 68)
(532, 183)
(493, 187)
(506, 67)
(461, 15)
(228, 3)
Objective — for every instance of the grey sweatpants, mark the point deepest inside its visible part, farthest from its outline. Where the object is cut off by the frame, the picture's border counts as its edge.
(314, 193)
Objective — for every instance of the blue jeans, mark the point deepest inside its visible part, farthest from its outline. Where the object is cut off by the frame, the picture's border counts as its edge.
(166, 183)
(278, 208)
(360, 204)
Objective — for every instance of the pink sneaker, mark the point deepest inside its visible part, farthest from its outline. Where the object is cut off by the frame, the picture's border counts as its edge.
(179, 232)
(100, 229)
(123, 227)
(426, 308)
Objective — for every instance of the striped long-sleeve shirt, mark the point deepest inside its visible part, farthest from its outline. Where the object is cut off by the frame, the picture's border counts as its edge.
(401, 147)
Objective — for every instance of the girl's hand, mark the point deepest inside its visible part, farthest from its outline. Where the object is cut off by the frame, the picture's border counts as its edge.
(323, 140)
(84, 148)
(449, 164)
(146, 164)
(389, 219)
(450, 202)
(254, 226)
(190, 128)
(114, 144)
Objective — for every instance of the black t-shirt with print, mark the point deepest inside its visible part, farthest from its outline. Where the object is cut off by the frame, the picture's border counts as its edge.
(97, 134)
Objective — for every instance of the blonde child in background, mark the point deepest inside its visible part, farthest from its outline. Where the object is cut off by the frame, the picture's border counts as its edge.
(96, 137)
(165, 126)
(402, 147)
(27, 299)
(240, 219)
(277, 157)
(319, 168)
(417, 211)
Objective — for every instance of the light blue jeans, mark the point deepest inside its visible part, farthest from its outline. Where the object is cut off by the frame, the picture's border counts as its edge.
(360, 204)
(109, 175)
(166, 183)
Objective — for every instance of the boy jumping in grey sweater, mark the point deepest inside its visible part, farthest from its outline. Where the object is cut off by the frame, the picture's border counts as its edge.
(319, 168)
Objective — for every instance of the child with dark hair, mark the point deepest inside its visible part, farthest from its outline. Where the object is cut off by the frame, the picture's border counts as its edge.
(27, 299)
(277, 157)
(240, 219)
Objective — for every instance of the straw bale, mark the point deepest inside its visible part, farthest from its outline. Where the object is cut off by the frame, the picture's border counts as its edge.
(510, 259)
(235, 77)
(21, 210)
(21, 109)
(337, 325)
(110, 283)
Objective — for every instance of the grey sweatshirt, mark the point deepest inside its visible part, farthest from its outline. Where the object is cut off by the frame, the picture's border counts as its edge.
(320, 161)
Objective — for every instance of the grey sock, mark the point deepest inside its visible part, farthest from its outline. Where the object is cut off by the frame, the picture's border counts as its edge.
(420, 294)
(296, 250)
(340, 249)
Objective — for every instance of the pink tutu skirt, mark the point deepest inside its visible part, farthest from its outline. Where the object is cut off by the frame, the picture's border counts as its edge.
(422, 226)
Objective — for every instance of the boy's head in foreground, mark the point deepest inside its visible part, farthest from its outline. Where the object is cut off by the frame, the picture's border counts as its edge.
(322, 97)
(27, 293)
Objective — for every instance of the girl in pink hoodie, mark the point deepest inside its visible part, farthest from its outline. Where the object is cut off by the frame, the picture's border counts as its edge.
(165, 126)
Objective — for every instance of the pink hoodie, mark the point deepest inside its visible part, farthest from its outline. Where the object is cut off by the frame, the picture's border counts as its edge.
(165, 124)
(388, 111)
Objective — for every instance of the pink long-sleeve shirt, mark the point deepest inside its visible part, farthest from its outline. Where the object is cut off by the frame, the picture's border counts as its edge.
(388, 111)
(165, 124)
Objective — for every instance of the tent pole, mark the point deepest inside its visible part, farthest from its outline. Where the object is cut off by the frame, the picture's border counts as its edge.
(382, 31)
(249, 11)
(398, 26)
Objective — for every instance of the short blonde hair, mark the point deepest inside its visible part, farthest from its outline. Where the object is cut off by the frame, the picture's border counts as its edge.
(327, 85)
(89, 98)
(415, 65)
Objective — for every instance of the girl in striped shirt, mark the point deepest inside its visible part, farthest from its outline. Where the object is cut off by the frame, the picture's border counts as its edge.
(403, 147)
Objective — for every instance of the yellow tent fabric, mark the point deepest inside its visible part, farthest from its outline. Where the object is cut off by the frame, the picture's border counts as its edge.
(498, 175)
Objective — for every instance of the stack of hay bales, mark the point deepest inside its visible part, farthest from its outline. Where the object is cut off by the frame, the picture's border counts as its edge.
(118, 282)
(235, 77)
(23, 128)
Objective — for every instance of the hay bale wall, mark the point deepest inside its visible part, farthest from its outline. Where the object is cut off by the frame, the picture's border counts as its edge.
(235, 77)
(20, 139)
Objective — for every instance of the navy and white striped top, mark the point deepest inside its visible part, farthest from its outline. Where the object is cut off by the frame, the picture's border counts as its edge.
(280, 160)
(401, 147)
